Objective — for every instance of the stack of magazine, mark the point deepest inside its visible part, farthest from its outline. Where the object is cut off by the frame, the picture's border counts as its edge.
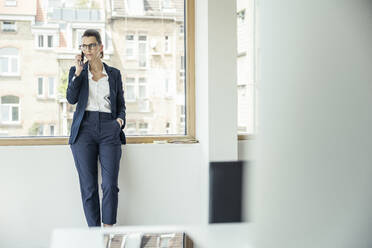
(147, 240)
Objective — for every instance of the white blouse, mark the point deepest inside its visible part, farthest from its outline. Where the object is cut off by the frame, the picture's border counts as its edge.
(99, 93)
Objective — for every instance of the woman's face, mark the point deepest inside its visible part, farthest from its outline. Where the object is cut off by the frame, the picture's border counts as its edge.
(91, 49)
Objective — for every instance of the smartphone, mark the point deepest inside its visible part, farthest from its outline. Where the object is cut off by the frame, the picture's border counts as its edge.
(82, 59)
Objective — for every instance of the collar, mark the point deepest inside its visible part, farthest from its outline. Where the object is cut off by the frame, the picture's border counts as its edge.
(90, 75)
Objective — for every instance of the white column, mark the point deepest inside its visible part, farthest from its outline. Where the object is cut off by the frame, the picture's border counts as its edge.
(313, 176)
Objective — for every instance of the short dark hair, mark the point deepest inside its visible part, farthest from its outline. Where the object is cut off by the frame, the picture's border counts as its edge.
(95, 33)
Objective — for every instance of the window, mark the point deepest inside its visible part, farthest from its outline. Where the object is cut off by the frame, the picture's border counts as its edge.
(143, 127)
(241, 16)
(142, 88)
(46, 87)
(182, 29)
(167, 44)
(138, 31)
(50, 40)
(44, 41)
(40, 130)
(166, 4)
(9, 109)
(9, 26)
(9, 3)
(40, 87)
(182, 62)
(168, 87)
(182, 68)
(144, 106)
(51, 130)
(9, 61)
(182, 114)
(142, 50)
(51, 87)
(246, 68)
(130, 46)
(135, 7)
(41, 40)
(167, 128)
(130, 87)
(130, 128)
(79, 34)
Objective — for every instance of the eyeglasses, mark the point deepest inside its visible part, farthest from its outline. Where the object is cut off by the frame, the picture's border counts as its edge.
(86, 47)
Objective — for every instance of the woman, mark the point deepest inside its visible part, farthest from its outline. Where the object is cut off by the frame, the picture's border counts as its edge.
(97, 128)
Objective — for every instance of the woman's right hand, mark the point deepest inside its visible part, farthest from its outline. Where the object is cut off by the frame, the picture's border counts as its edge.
(78, 65)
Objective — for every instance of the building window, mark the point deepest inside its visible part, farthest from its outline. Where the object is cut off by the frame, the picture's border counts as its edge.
(79, 38)
(142, 50)
(182, 29)
(241, 16)
(44, 41)
(182, 115)
(167, 128)
(9, 61)
(10, 3)
(42, 84)
(135, 7)
(130, 128)
(182, 62)
(40, 130)
(130, 87)
(167, 44)
(51, 130)
(51, 87)
(9, 109)
(41, 40)
(168, 87)
(144, 106)
(142, 88)
(143, 127)
(166, 4)
(50, 40)
(9, 26)
(40, 87)
(130, 46)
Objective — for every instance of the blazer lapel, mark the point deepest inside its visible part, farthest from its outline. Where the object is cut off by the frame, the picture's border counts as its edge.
(111, 81)
(85, 86)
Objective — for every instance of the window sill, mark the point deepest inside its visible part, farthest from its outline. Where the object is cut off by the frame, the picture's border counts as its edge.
(10, 75)
(44, 48)
(38, 141)
(45, 98)
(11, 124)
(246, 137)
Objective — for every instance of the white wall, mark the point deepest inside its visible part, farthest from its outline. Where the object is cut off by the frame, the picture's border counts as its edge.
(312, 186)
(40, 191)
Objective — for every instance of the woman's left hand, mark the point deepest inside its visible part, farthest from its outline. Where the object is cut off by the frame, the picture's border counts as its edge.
(120, 121)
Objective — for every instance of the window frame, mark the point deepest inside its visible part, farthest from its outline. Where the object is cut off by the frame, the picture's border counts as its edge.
(146, 53)
(9, 73)
(189, 137)
(42, 95)
(8, 30)
(10, 3)
(11, 105)
(130, 44)
(51, 96)
(44, 40)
